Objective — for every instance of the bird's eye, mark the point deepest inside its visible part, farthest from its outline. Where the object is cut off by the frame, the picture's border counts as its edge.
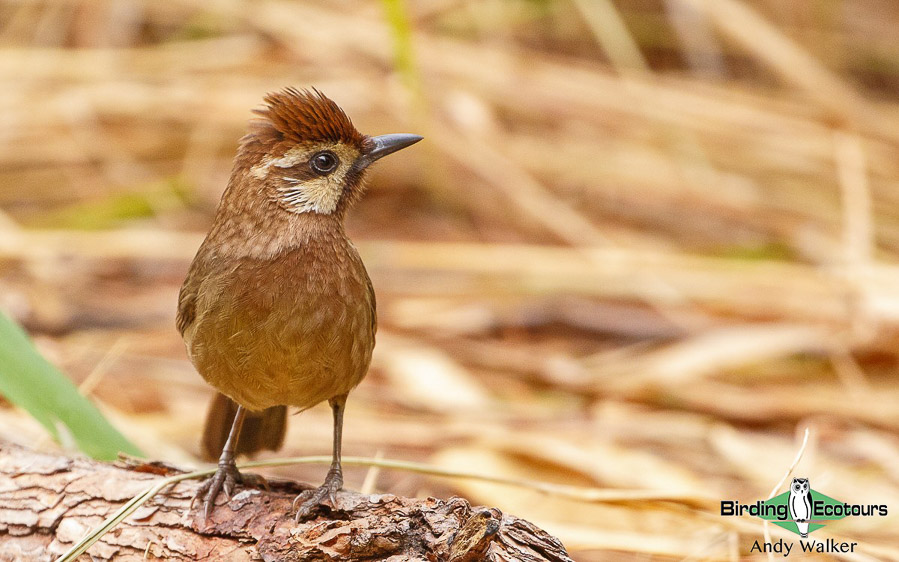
(324, 162)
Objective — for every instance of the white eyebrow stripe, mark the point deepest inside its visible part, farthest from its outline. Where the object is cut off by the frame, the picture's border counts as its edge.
(289, 160)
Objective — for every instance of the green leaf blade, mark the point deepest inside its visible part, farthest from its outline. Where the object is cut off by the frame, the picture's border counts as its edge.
(32, 383)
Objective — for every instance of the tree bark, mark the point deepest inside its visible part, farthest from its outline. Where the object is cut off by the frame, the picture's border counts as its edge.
(48, 502)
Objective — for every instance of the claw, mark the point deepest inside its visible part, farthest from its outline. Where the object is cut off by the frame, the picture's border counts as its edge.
(332, 497)
(225, 479)
(301, 496)
(326, 494)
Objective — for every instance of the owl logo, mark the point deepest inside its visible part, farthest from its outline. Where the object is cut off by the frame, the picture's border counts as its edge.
(800, 503)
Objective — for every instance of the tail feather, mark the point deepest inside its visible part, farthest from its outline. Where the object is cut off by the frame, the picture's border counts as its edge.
(261, 430)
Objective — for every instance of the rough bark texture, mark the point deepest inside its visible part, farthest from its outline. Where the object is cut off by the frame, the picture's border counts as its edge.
(47, 502)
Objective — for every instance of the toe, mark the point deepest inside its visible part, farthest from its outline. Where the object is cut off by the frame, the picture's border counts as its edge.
(201, 491)
(303, 513)
(332, 497)
(208, 506)
(224, 480)
(301, 499)
(308, 501)
(228, 487)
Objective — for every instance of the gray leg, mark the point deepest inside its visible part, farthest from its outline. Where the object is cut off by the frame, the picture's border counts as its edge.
(227, 476)
(327, 492)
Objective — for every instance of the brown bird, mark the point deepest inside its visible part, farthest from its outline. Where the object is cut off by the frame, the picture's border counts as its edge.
(277, 309)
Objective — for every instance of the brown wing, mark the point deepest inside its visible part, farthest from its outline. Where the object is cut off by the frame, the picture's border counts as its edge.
(187, 308)
(187, 304)
(187, 296)
(374, 304)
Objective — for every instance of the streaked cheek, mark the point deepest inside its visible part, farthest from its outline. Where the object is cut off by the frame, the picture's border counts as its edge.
(318, 195)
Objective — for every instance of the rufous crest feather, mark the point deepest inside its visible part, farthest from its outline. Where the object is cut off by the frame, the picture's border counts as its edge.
(306, 115)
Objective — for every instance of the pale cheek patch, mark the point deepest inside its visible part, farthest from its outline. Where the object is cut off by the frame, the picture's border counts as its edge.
(320, 194)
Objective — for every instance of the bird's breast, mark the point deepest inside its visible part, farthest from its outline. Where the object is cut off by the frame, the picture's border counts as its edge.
(296, 329)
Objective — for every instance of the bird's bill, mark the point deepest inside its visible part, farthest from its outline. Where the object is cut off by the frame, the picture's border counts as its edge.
(388, 144)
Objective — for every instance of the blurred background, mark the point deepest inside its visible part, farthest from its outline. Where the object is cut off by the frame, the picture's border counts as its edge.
(644, 246)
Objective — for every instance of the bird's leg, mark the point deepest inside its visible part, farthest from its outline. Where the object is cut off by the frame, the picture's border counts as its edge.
(227, 476)
(309, 500)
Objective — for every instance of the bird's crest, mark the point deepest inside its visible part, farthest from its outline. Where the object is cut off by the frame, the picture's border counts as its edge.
(302, 116)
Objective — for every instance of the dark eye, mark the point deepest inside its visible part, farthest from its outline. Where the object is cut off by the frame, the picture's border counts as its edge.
(324, 162)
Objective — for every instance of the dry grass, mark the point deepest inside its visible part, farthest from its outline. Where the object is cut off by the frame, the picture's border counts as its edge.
(644, 247)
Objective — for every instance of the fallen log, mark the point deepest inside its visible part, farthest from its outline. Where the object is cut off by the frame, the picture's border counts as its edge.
(49, 502)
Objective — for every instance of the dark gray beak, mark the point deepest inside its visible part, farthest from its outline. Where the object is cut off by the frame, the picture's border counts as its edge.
(388, 144)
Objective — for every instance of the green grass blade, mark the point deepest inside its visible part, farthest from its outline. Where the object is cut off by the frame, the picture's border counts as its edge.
(123, 512)
(577, 493)
(32, 383)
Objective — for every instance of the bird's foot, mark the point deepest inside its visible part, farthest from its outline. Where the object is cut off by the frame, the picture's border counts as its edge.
(310, 500)
(225, 479)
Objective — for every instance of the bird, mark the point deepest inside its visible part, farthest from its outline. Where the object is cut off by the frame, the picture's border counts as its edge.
(800, 505)
(277, 309)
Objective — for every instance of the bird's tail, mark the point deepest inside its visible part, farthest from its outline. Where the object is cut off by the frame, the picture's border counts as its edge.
(261, 430)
